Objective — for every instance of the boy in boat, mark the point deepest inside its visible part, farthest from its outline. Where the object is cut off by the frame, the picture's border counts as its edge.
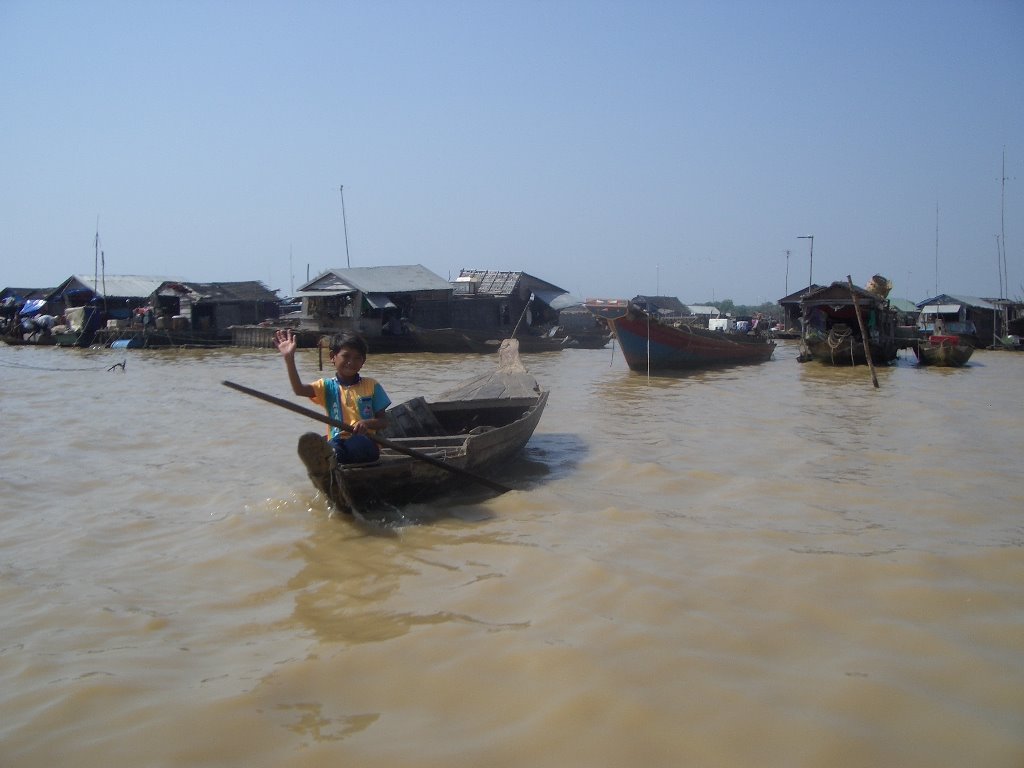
(356, 400)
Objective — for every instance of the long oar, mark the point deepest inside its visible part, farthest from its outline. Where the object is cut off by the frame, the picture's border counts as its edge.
(384, 442)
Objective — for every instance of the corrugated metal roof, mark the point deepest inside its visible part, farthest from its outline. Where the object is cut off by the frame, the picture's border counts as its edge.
(123, 285)
(949, 298)
(246, 290)
(903, 305)
(501, 283)
(399, 279)
(492, 282)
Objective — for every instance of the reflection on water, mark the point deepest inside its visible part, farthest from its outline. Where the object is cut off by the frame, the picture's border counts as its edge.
(771, 565)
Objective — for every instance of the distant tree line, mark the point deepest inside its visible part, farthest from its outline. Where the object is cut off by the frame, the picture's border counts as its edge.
(729, 307)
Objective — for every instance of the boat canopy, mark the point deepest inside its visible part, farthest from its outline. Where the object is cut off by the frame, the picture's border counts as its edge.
(940, 309)
(558, 299)
(379, 301)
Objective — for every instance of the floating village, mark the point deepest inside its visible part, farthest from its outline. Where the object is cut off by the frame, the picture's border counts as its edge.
(411, 309)
(427, 448)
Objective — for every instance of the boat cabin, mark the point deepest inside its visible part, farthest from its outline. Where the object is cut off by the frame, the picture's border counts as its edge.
(829, 320)
(664, 307)
(969, 317)
(792, 311)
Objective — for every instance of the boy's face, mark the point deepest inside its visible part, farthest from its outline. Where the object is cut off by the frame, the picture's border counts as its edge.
(347, 362)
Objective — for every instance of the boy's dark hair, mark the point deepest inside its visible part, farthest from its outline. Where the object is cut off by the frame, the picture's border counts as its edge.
(350, 340)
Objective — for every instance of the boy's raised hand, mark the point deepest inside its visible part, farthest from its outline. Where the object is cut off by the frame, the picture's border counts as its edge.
(285, 342)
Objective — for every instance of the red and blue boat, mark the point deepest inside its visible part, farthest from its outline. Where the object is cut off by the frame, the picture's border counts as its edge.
(651, 344)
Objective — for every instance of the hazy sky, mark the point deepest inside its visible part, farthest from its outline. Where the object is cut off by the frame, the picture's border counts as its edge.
(611, 148)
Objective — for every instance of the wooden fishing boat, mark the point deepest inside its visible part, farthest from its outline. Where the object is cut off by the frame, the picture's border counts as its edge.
(651, 344)
(18, 339)
(831, 331)
(469, 430)
(948, 351)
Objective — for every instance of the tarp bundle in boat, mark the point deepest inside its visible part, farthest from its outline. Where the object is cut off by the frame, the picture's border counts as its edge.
(32, 306)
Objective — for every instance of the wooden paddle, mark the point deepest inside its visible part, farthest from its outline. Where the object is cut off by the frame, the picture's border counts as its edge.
(381, 441)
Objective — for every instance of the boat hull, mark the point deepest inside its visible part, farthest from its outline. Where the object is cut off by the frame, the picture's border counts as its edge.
(946, 351)
(848, 350)
(502, 428)
(656, 346)
(18, 341)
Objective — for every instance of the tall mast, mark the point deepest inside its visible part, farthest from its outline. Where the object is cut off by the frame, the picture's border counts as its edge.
(936, 249)
(999, 264)
(1004, 276)
(344, 221)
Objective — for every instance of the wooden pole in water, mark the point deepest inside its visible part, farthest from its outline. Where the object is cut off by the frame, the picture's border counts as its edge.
(863, 333)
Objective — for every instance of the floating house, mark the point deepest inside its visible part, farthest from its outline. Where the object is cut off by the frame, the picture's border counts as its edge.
(213, 308)
(969, 317)
(500, 302)
(410, 309)
(117, 295)
(704, 311)
(90, 303)
(375, 301)
(382, 304)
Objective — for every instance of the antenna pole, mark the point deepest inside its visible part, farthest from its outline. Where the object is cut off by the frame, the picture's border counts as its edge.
(810, 277)
(1004, 275)
(999, 263)
(344, 221)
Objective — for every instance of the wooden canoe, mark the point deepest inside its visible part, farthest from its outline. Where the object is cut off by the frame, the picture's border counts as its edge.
(476, 427)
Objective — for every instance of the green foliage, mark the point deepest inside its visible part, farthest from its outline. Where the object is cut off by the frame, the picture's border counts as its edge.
(727, 306)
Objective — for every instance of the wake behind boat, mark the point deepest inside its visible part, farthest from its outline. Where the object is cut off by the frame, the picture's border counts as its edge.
(474, 428)
(649, 343)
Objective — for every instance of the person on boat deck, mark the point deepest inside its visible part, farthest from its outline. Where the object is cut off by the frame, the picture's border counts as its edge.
(356, 400)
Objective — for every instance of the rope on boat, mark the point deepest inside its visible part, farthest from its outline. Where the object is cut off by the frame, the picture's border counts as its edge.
(836, 339)
(59, 369)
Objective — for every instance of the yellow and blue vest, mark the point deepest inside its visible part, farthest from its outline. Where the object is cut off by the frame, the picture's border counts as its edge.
(349, 403)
